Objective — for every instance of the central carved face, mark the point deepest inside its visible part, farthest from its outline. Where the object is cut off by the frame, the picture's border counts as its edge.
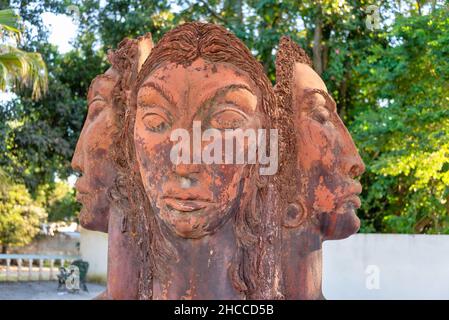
(193, 200)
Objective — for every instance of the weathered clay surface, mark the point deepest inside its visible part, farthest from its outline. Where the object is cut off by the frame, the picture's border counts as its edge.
(323, 169)
(207, 218)
(93, 158)
(91, 154)
(210, 231)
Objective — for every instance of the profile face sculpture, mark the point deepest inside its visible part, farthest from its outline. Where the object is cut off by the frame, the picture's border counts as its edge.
(91, 157)
(207, 230)
(324, 166)
(193, 200)
(327, 158)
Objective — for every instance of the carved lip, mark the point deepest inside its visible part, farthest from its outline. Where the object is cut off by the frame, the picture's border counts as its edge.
(81, 196)
(185, 205)
(81, 192)
(353, 199)
(80, 186)
(353, 196)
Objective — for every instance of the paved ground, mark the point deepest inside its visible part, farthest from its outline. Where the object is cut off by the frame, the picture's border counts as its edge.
(44, 290)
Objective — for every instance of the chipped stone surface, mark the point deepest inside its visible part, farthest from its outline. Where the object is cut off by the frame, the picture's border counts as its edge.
(213, 231)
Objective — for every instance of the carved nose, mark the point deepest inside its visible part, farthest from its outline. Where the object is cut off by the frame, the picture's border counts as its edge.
(186, 170)
(183, 169)
(186, 174)
(357, 170)
(352, 163)
(77, 159)
(356, 166)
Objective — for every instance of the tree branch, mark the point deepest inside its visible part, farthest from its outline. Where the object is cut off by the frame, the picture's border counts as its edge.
(211, 11)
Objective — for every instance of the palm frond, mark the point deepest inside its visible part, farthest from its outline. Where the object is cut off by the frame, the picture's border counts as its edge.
(9, 22)
(23, 69)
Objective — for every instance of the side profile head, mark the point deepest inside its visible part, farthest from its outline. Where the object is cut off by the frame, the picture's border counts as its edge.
(92, 157)
(326, 160)
(200, 73)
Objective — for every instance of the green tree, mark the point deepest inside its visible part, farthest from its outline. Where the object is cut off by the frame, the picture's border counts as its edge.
(59, 201)
(38, 137)
(20, 217)
(133, 18)
(383, 81)
(402, 128)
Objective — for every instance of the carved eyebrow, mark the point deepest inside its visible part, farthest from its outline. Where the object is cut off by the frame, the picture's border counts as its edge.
(161, 90)
(98, 97)
(329, 100)
(105, 77)
(163, 110)
(222, 91)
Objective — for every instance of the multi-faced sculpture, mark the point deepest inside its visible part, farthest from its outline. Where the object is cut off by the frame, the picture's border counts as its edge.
(93, 159)
(323, 170)
(216, 231)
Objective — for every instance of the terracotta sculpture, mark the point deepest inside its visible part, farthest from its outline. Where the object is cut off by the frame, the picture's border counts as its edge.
(180, 228)
(322, 194)
(93, 159)
(207, 222)
(90, 157)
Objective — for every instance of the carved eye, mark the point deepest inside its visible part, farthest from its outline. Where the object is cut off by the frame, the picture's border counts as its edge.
(228, 119)
(320, 114)
(155, 122)
(95, 108)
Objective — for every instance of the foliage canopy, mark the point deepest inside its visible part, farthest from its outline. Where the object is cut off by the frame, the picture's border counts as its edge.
(390, 84)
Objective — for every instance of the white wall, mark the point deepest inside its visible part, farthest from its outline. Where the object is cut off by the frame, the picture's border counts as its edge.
(94, 249)
(387, 266)
(364, 266)
(62, 243)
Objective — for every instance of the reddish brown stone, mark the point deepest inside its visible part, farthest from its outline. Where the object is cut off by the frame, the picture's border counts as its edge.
(211, 231)
(323, 169)
(207, 218)
(93, 159)
(91, 154)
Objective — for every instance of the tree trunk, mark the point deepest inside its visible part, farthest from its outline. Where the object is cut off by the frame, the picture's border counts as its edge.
(317, 47)
(343, 93)
(239, 11)
(326, 33)
(4, 248)
(234, 11)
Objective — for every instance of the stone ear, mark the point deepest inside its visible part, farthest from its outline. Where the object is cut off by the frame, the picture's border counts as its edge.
(144, 45)
(294, 215)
